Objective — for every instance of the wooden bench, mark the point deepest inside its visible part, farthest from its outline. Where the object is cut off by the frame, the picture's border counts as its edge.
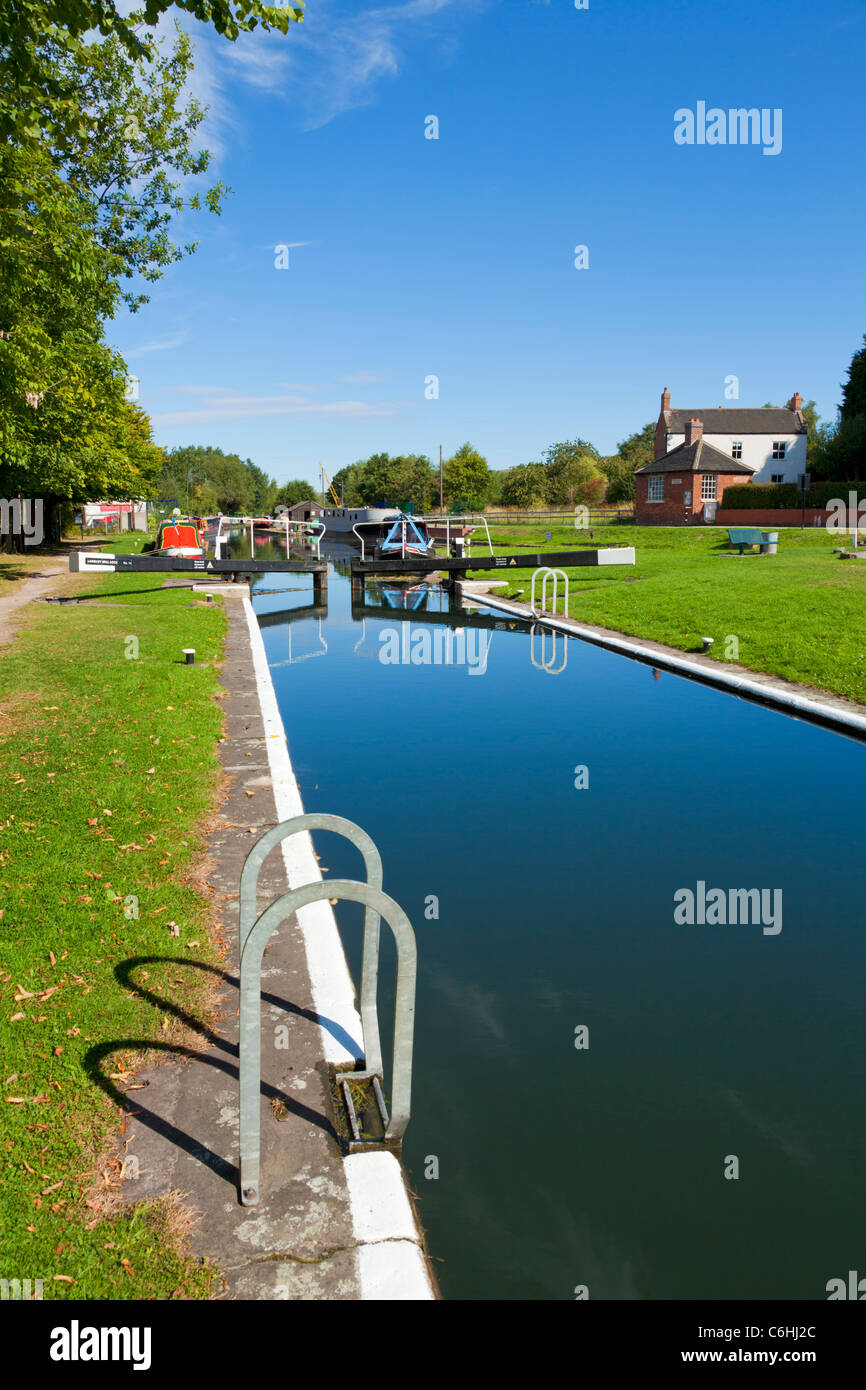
(743, 536)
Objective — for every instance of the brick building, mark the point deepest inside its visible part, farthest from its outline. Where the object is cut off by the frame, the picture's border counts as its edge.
(771, 440)
(686, 484)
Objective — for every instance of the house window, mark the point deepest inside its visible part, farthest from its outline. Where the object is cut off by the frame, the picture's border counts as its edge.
(777, 477)
(656, 491)
(736, 448)
(708, 487)
(779, 447)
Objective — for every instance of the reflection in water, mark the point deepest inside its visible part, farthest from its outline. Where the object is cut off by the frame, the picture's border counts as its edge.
(602, 1167)
(549, 665)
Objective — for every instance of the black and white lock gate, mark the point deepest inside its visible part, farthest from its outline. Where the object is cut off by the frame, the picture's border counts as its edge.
(255, 932)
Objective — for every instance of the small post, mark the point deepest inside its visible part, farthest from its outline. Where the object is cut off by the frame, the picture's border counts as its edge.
(320, 586)
(189, 655)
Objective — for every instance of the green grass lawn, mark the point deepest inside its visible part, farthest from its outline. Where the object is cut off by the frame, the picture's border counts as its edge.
(107, 753)
(798, 614)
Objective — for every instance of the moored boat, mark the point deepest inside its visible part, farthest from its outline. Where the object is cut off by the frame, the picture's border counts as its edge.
(404, 537)
(179, 536)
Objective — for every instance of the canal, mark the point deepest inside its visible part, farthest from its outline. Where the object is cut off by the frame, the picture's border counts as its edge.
(607, 1100)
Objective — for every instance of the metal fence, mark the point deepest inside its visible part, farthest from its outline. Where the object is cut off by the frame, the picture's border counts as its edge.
(561, 516)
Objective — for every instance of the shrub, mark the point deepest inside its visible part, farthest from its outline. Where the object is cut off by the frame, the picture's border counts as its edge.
(760, 495)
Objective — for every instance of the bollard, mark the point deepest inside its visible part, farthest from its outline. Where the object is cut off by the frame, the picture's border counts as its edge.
(189, 655)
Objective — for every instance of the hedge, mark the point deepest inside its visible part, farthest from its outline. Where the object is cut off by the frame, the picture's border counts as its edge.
(763, 495)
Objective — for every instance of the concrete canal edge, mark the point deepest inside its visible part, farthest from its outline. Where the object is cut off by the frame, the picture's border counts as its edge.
(390, 1252)
(327, 1227)
(803, 702)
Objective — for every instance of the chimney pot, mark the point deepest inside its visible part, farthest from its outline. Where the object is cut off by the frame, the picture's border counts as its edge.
(796, 401)
(694, 430)
(666, 399)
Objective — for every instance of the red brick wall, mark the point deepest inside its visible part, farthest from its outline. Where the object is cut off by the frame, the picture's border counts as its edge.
(672, 511)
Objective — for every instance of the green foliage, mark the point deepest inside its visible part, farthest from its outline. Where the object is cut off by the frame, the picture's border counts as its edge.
(854, 391)
(220, 482)
(757, 495)
(138, 149)
(524, 486)
(573, 474)
(466, 478)
(632, 453)
(406, 481)
(495, 483)
(98, 138)
(296, 490)
(36, 102)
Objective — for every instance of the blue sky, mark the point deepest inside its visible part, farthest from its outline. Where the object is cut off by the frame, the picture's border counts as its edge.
(454, 257)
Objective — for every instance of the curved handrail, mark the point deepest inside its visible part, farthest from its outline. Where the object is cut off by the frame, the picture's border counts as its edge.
(250, 1040)
(544, 665)
(321, 820)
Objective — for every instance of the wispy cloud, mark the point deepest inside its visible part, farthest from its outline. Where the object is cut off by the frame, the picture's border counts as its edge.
(343, 57)
(333, 62)
(159, 345)
(362, 378)
(231, 407)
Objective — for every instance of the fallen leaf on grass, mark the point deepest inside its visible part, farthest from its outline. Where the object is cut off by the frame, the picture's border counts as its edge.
(63, 1278)
(128, 1267)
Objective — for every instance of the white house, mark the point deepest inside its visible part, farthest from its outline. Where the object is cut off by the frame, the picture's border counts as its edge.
(770, 441)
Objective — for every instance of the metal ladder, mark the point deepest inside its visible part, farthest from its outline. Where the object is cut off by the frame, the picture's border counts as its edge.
(545, 664)
(549, 574)
(254, 934)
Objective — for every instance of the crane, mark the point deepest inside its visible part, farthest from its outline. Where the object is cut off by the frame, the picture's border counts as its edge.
(331, 488)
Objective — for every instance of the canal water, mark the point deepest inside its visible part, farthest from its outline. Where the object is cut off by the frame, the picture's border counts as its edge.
(608, 1100)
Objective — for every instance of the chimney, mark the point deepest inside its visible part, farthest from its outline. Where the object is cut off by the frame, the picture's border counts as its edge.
(694, 431)
(796, 401)
(666, 399)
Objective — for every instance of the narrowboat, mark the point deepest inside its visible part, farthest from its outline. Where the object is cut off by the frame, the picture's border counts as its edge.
(179, 536)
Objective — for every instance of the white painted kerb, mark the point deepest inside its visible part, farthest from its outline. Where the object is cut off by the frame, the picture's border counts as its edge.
(391, 1263)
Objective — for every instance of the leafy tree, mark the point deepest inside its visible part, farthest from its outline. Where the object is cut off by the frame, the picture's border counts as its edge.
(413, 483)
(854, 390)
(348, 483)
(138, 149)
(297, 490)
(573, 474)
(36, 101)
(524, 486)
(632, 453)
(466, 479)
(495, 483)
(78, 216)
(220, 482)
(406, 481)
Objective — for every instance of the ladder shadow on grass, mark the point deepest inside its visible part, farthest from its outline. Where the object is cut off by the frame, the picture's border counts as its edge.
(95, 1057)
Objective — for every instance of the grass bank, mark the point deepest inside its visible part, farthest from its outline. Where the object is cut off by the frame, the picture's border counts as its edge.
(107, 753)
(797, 614)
